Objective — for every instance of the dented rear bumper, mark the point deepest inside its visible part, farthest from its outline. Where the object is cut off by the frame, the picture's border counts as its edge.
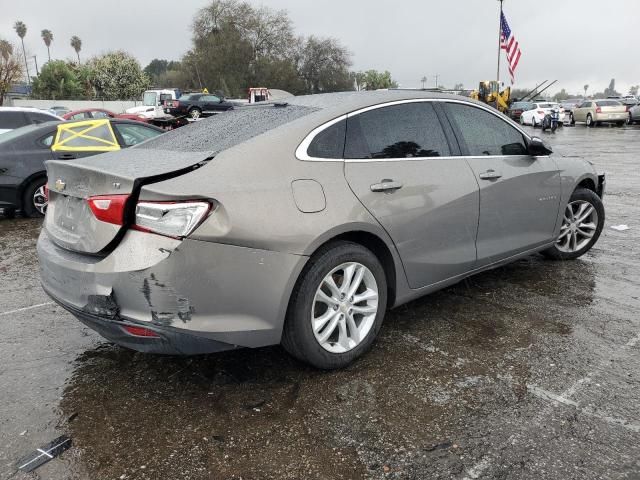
(198, 296)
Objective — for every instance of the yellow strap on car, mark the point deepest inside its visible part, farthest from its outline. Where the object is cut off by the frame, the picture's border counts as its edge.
(85, 136)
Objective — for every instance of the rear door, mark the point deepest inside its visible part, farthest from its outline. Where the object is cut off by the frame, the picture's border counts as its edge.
(402, 168)
(519, 193)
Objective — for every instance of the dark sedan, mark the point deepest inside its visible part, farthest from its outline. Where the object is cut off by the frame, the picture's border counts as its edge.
(24, 150)
(197, 105)
(516, 109)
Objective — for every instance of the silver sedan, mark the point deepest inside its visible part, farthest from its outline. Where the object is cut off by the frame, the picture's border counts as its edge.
(301, 223)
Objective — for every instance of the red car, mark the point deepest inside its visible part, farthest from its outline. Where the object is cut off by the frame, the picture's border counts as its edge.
(101, 113)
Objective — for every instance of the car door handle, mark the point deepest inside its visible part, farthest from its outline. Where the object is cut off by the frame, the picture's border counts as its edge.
(490, 175)
(386, 185)
(66, 156)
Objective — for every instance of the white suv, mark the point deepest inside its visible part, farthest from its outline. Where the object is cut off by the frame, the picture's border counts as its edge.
(537, 112)
(16, 117)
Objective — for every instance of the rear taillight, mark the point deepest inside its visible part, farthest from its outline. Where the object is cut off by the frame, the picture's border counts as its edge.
(108, 208)
(140, 331)
(540, 112)
(598, 110)
(173, 219)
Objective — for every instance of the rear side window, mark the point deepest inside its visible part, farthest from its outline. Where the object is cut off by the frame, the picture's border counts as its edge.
(134, 134)
(407, 130)
(329, 143)
(36, 117)
(484, 133)
(11, 120)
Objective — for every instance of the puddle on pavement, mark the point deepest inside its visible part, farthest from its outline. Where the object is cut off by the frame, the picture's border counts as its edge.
(253, 413)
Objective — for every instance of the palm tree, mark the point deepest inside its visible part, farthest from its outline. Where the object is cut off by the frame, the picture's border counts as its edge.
(586, 87)
(47, 36)
(21, 30)
(76, 43)
(6, 49)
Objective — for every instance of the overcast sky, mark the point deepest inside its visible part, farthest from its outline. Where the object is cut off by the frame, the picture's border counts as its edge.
(573, 41)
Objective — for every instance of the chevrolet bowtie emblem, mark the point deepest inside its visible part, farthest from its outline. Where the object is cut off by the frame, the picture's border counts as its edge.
(60, 185)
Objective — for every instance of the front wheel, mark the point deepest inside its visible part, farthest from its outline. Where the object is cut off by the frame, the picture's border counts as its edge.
(572, 120)
(35, 200)
(581, 226)
(195, 113)
(337, 307)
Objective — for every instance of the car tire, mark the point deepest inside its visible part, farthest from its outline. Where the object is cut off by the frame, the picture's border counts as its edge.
(629, 121)
(620, 124)
(534, 123)
(195, 113)
(589, 121)
(331, 341)
(572, 120)
(578, 235)
(34, 200)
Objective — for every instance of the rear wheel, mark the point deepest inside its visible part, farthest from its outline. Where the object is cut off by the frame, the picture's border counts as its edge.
(572, 120)
(337, 307)
(35, 201)
(195, 113)
(581, 226)
(590, 122)
(620, 124)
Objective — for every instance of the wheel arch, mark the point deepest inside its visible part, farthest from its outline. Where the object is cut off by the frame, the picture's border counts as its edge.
(378, 243)
(28, 181)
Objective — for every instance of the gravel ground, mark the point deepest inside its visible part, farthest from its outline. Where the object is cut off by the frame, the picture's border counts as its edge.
(531, 371)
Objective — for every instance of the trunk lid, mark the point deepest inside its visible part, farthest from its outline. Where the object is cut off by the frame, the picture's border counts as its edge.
(70, 223)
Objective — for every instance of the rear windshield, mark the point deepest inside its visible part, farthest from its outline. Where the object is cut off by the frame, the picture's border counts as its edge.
(521, 105)
(608, 103)
(227, 129)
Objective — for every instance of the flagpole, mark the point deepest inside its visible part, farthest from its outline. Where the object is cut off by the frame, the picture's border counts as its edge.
(499, 39)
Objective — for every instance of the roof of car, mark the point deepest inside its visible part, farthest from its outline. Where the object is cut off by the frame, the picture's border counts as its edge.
(25, 109)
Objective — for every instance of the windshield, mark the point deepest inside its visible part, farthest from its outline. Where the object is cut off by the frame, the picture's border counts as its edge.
(149, 99)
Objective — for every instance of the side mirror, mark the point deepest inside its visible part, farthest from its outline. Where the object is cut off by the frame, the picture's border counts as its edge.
(537, 147)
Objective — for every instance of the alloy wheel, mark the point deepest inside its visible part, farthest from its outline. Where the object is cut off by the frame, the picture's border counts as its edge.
(40, 200)
(344, 307)
(578, 226)
(195, 113)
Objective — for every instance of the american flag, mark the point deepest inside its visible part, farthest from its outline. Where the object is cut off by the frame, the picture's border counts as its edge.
(509, 43)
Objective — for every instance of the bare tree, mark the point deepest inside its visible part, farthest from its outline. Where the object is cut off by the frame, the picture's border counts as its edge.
(76, 43)
(21, 30)
(47, 37)
(10, 68)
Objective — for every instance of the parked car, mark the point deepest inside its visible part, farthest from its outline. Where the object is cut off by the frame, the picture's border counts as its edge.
(58, 110)
(570, 103)
(16, 117)
(595, 112)
(102, 113)
(24, 151)
(196, 105)
(536, 114)
(633, 115)
(301, 223)
(516, 109)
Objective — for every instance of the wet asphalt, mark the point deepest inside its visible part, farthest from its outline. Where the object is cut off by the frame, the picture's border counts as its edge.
(530, 371)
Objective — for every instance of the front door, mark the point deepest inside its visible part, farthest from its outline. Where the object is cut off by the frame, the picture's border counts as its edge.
(519, 193)
(400, 165)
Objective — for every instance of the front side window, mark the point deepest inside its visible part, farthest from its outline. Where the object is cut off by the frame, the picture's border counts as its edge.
(483, 133)
(210, 99)
(329, 143)
(408, 130)
(134, 134)
(149, 99)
